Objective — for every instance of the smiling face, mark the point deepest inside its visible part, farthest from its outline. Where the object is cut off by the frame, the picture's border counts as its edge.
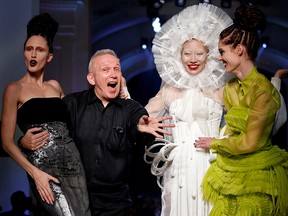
(229, 56)
(36, 53)
(105, 75)
(194, 56)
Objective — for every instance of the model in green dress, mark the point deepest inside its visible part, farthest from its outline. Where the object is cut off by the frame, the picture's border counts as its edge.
(250, 174)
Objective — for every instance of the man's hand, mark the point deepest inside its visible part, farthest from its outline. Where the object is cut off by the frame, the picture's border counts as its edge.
(154, 126)
(34, 138)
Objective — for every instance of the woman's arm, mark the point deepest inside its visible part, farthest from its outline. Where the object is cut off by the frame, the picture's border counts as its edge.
(281, 115)
(124, 93)
(281, 73)
(259, 122)
(9, 115)
(155, 106)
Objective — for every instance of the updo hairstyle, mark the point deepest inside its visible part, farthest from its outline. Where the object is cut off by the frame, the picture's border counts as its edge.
(43, 25)
(248, 23)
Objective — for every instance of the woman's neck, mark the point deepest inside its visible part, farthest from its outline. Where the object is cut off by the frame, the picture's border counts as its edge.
(244, 69)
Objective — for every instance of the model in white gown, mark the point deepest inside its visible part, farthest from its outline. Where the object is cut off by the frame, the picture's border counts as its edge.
(194, 102)
(194, 115)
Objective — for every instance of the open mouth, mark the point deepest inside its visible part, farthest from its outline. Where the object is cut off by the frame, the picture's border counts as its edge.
(193, 67)
(112, 84)
(33, 63)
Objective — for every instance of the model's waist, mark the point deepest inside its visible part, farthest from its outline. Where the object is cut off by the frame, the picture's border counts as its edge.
(56, 129)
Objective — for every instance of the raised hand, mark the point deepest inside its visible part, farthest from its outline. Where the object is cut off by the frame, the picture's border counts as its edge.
(154, 126)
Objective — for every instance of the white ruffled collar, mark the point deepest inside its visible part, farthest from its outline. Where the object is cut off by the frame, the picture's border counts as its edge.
(203, 22)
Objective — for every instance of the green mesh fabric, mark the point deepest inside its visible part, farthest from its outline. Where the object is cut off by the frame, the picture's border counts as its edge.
(236, 118)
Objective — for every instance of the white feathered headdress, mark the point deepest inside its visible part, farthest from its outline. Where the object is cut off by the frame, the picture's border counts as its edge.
(203, 22)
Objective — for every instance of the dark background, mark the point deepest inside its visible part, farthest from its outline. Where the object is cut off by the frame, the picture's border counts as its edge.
(123, 25)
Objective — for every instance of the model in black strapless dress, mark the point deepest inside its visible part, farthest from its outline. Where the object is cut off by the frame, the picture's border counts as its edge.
(59, 157)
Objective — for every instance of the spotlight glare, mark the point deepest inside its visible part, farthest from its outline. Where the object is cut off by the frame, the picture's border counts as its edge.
(157, 5)
(180, 3)
(206, 1)
(156, 24)
(265, 41)
(226, 3)
(144, 43)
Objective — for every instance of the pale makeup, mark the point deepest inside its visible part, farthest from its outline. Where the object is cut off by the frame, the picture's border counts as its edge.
(36, 53)
(194, 56)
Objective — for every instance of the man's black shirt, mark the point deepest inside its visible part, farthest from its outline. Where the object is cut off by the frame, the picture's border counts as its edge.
(106, 137)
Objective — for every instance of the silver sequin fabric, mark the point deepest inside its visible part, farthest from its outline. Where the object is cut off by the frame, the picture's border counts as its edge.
(60, 158)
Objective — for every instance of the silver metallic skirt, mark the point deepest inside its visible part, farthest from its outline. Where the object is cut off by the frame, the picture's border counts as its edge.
(60, 158)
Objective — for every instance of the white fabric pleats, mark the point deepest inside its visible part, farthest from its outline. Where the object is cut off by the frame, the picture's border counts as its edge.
(178, 165)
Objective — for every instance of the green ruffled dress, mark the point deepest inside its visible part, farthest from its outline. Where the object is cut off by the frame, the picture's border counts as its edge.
(250, 175)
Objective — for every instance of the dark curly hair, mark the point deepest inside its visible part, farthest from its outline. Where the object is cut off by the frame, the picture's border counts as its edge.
(43, 25)
(247, 24)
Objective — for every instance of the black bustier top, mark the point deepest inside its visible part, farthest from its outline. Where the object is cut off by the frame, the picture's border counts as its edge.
(41, 110)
